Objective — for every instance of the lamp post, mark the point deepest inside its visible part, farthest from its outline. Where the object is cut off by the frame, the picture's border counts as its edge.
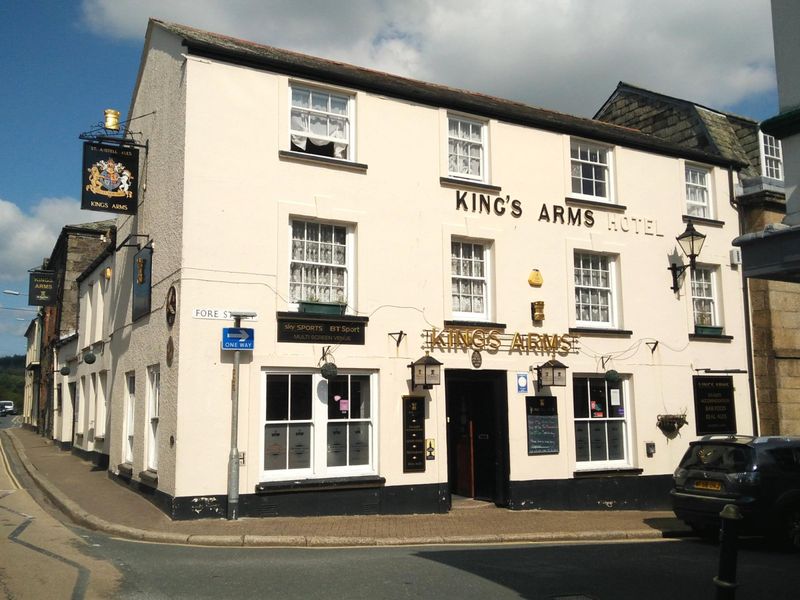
(690, 242)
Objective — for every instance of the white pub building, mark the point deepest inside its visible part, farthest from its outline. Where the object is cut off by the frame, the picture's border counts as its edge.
(527, 260)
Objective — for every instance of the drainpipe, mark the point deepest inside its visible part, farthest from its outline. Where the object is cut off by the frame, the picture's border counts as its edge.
(748, 338)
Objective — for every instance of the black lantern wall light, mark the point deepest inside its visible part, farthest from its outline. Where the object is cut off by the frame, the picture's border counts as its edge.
(551, 373)
(690, 241)
(426, 372)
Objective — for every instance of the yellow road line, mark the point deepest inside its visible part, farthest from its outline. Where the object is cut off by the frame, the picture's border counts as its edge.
(7, 468)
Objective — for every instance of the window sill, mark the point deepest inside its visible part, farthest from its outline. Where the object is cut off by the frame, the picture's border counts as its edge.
(297, 315)
(100, 438)
(310, 485)
(149, 478)
(322, 160)
(622, 472)
(599, 331)
(125, 470)
(710, 337)
(475, 324)
(599, 204)
(703, 221)
(468, 183)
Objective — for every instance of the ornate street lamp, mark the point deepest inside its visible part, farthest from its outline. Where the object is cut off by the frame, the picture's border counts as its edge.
(690, 241)
(426, 372)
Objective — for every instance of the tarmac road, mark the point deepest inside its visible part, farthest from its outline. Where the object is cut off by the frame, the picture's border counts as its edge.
(41, 557)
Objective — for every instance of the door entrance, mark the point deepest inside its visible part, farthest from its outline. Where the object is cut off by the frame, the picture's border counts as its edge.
(477, 434)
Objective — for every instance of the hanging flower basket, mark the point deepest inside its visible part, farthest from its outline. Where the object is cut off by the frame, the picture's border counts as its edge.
(670, 424)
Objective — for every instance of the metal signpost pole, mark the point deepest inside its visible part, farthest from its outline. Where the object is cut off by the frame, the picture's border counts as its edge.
(237, 339)
(233, 460)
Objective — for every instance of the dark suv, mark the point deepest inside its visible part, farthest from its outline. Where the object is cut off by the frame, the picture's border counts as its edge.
(760, 475)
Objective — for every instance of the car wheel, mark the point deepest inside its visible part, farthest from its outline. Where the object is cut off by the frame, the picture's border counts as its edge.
(791, 528)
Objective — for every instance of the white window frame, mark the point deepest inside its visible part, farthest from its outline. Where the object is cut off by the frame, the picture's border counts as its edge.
(610, 291)
(153, 409)
(130, 422)
(485, 279)
(771, 152)
(319, 425)
(348, 140)
(626, 420)
(705, 290)
(349, 284)
(698, 188)
(101, 405)
(459, 141)
(576, 164)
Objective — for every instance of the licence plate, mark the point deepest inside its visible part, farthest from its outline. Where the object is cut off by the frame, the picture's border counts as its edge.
(708, 485)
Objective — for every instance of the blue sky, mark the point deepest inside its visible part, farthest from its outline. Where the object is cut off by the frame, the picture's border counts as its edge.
(62, 63)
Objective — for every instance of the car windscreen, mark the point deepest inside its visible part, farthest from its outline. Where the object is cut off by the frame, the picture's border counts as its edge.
(726, 458)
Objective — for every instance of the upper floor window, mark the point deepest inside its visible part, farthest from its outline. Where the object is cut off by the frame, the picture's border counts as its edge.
(698, 192)
(771, 157)
(466, 143)
(590, 170)
(320, 262)
(321, 123)
(469, 279)
(595, 290)
(704, 297)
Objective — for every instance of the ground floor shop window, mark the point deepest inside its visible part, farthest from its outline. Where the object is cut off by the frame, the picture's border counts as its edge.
(315, 427)
(601, 422)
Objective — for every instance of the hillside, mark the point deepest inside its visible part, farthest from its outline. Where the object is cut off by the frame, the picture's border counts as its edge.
(12, 378)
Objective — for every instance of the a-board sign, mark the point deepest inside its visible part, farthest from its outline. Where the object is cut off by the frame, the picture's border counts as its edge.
(542, 419)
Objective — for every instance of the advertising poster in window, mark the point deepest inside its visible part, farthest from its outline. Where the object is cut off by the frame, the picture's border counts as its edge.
(713, 404)
(109, 180)
(542, 419)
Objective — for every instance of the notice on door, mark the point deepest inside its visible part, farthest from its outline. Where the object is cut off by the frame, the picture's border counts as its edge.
(542, 419)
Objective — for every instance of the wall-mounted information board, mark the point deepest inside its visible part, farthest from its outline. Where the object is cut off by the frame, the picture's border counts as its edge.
(542, 419)
(413, 434)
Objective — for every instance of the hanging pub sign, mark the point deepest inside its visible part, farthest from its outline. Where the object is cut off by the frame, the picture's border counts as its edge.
(42, 288)
(142, 263)
(109, 178)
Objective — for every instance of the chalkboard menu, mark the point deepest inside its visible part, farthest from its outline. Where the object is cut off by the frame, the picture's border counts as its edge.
(542, 416)
(413, 434)
(713, 405)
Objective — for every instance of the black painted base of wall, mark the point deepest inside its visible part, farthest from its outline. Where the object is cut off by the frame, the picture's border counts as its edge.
(391, 500)
(592, 493)
(98, 459)
(63, 446)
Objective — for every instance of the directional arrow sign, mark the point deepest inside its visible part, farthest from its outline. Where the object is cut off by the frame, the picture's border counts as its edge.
(238, 338)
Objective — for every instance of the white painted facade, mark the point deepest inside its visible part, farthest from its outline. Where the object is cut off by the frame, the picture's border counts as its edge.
(219, 190)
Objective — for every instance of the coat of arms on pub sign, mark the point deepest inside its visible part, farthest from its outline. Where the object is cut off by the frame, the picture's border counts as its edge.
(109, 179)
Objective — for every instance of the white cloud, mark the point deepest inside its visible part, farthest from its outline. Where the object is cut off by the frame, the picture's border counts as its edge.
(27, 238)
(566, 55)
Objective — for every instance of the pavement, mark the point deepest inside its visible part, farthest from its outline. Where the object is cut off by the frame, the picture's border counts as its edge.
(89, 498)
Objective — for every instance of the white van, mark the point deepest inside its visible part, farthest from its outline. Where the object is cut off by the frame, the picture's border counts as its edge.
(7, 408)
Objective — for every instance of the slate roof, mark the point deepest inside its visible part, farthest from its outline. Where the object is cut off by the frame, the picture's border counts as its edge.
(237, 51)
(687, 123)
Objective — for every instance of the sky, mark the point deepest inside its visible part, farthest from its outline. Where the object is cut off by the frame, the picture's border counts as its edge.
(62, 62)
